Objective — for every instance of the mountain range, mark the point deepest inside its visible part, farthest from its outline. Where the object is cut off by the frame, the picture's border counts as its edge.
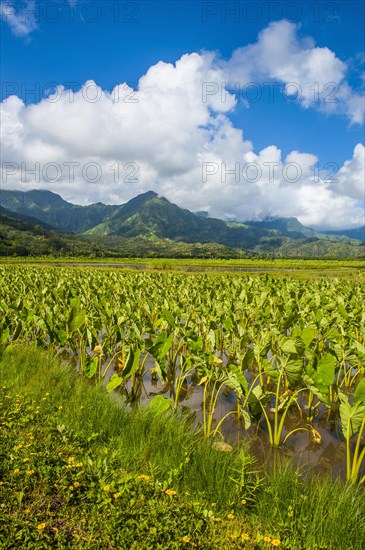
(150, 224)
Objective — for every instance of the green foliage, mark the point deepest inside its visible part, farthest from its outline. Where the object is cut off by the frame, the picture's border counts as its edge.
(277, 346)
(79, 470)
(312, 513)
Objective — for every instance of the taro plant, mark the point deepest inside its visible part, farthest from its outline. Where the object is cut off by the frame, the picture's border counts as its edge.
(284, 370)
(130, 375)
(288, 337)
(319, 378)
(216, 377)
(353, 423)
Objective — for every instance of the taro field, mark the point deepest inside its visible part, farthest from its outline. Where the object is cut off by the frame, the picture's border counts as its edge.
(277, 361)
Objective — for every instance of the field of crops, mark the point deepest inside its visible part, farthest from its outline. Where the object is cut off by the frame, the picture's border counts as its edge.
(284, 355)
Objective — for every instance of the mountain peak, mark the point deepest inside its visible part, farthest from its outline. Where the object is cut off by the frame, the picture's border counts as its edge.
(148, 194)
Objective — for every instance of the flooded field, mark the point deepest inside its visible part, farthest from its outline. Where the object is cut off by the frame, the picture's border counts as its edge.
(275, 362)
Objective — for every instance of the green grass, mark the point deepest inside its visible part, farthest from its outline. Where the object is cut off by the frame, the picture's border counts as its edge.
(311, 512)
(143, 442)
(72, 457)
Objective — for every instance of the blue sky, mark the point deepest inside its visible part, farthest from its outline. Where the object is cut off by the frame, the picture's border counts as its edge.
(128, 38)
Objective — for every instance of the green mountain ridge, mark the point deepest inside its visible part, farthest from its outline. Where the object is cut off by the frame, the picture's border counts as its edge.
(293, 226)
(51, 209)
(358, 233)
(20, 237)
(4, 212)
(149, 220)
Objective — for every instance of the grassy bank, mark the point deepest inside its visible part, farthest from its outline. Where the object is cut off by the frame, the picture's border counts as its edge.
(80, 471)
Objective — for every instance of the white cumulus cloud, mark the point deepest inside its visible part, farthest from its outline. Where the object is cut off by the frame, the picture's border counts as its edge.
(166, 135)
(314, 75)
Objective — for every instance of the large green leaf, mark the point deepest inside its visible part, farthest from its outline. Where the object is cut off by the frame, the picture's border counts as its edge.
(326, 369)
(90, 366)
(132, 363)
(294, 370)
(317, 390)
(162, 345)
(309, 334)
(287, 345)
(113, 383)
(359, 395)
(235, 380)
(77, 320)
(169, 317)
(270, 370)
(159, 404)
(257, 400)
(246, 358)
(351, 417)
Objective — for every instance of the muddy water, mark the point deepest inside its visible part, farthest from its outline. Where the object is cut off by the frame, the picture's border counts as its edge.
(327, 456)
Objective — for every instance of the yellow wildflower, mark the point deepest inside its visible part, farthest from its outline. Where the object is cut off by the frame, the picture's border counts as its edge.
(79, 465)
(116, 495)
(106, 488)
(145, 478)
(16, 470)
(170, 492)
(275, 542)
(71, 488)
(244, 501)
(30, 472)
(230, 516)
(186, 539)
(26, 459)
(41, 526)
(76, 484)
(245, 536)
(217, 520)
(267, 539)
